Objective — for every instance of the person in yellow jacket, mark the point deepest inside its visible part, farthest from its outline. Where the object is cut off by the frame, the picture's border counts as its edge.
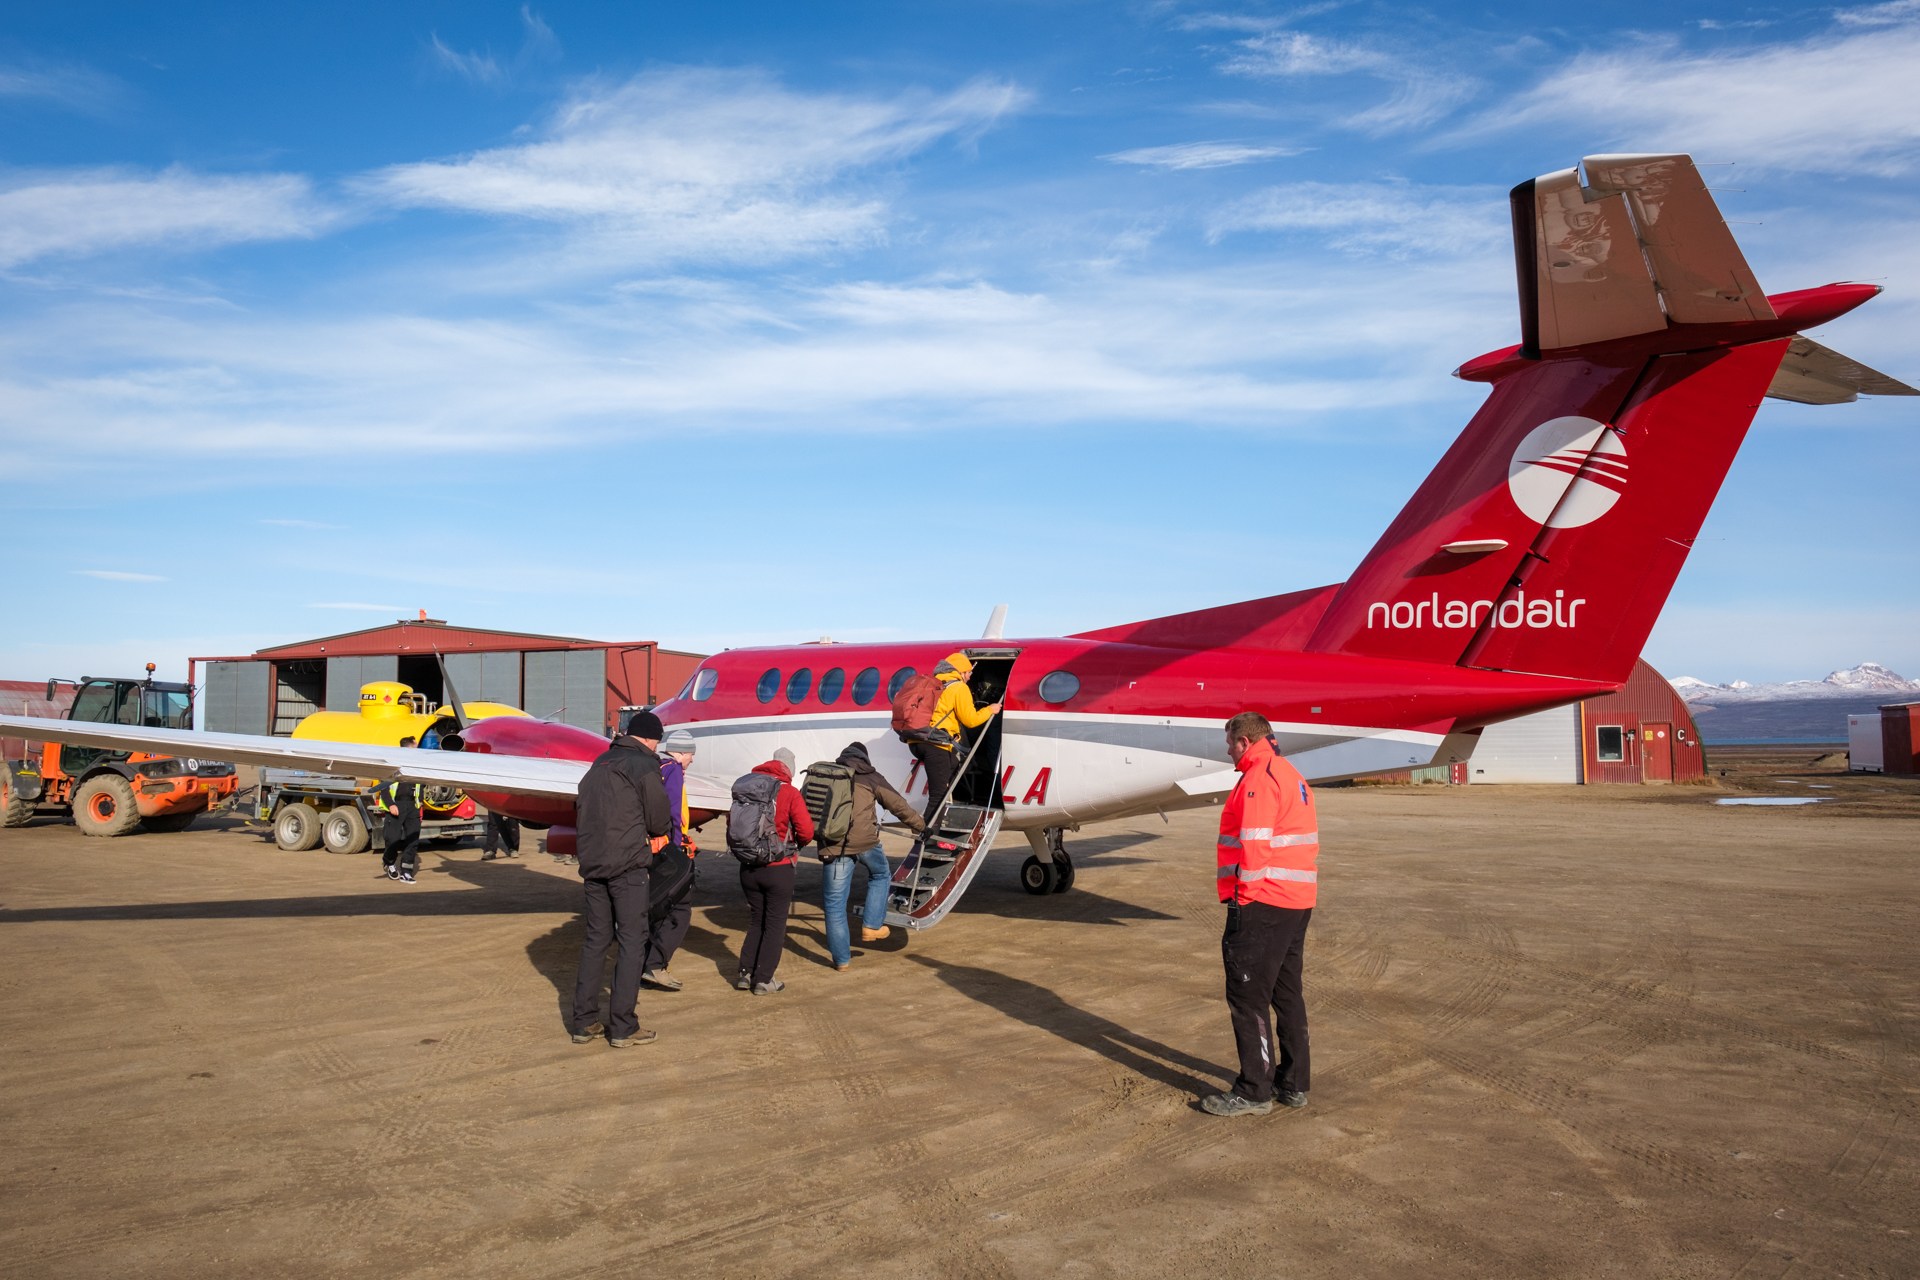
(953, 712)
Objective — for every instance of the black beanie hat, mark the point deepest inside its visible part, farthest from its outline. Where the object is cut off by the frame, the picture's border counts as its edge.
(645, 724)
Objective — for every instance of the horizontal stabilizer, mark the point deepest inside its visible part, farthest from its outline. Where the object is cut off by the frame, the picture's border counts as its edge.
(1639, 245)
(1813, 374)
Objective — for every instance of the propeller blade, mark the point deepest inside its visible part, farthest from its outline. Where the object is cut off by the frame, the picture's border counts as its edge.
(453, 694)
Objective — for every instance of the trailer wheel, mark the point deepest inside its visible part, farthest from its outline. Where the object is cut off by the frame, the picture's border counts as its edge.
(104, 806)
(296, 828)
(345, 831)
(167, 823)
(14, 811)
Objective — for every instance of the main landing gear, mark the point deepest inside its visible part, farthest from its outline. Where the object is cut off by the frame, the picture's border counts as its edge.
(1049, 870)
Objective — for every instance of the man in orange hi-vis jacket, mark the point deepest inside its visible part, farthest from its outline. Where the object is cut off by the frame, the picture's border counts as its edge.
(1269, 841)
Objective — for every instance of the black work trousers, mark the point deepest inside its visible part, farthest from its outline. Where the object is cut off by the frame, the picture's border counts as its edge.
(666, 935)
(502, 830)
(1262, 950)
(938, 763)
(400, 841)
(769, 893)
(616, 914)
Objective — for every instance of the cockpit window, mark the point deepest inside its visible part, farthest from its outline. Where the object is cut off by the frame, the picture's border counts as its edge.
(704, 682)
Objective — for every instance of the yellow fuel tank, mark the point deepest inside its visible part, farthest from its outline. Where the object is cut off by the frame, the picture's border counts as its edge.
(389, 711)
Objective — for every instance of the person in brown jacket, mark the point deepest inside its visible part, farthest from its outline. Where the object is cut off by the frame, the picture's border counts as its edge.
(862, 846)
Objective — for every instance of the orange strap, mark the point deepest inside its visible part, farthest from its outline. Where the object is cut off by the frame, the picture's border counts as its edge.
(656, 844)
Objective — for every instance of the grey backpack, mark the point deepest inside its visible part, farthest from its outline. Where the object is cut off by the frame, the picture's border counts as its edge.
(752, 833)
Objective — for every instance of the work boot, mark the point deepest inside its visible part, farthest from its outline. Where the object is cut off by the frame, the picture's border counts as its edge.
(586, 1034)
(662, 979)
(769, 987)
(641, 1036)
(488, 857)
(744, 982)
(1232, 1104)
(876, 935)
(1287, 1098)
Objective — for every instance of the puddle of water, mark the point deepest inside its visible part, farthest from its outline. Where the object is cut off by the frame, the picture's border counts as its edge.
(1775, 800)
(1818, 786)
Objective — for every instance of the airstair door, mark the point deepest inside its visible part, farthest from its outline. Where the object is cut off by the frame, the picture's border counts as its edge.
(929, 883)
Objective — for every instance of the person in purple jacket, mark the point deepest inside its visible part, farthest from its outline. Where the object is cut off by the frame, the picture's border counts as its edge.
(671, 879)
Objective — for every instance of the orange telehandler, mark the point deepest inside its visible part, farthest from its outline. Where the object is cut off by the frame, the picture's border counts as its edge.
(110, 793)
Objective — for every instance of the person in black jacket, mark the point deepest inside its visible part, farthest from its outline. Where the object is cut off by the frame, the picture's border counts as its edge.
(400, 833)
(622, 820)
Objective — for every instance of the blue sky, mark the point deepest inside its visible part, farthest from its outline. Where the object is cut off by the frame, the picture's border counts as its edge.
(741, 323)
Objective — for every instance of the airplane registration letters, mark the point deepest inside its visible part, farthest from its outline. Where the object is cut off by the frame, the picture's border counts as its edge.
(1539, 613)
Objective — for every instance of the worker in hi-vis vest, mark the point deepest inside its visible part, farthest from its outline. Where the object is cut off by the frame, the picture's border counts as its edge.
(400, 832)
(1269, 842)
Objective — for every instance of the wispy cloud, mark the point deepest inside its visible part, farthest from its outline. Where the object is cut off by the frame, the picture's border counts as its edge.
(115, 575)
(97, 210)
(76, 88)
(1896, 13)
(1395, 219)
(1421, 95)
(1199, 155)
(539, 44)
(354, 604)
(702, 164)
(1833, 104)
(303, 524)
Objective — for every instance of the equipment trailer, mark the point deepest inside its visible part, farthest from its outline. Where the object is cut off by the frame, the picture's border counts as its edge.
(317, 809)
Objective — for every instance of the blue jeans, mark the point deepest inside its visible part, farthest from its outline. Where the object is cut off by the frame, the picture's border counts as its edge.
(837, 878)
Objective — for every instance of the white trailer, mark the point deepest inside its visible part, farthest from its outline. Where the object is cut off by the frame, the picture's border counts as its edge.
(1864, 751)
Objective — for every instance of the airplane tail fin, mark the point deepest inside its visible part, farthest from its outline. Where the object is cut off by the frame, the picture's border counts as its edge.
(1548, 537)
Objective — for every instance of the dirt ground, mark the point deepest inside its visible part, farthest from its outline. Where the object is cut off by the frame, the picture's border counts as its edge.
(1557, 1032)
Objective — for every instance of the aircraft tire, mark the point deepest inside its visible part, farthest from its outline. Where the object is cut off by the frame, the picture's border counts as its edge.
(296, 828)
(104, 806)
(1063, 871)
(1037, 877)
(167, 823)
(345, 831)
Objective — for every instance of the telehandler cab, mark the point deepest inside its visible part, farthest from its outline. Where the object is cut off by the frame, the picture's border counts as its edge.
(110, 793)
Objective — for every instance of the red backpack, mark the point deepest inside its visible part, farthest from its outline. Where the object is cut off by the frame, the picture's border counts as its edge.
(913, 708)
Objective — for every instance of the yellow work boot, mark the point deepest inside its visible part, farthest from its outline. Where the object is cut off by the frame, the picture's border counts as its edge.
(876, 935)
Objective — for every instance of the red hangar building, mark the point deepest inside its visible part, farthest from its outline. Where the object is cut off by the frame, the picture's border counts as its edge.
(584, 683)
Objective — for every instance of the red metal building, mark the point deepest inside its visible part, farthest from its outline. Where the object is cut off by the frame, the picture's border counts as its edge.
(579, 682)
(1899, 744)
(1643, 733)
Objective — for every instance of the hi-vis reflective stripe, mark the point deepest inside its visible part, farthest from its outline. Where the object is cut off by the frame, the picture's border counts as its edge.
(1249, 874)
(1266, 833)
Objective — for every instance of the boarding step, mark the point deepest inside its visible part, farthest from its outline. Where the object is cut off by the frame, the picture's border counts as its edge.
(926, 887)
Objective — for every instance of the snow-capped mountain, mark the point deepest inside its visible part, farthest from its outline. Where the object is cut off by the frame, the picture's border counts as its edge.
(1869, 679)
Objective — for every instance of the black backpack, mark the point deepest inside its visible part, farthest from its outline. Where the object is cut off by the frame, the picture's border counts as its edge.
(752, 830)
(670, 881)
(829, 797)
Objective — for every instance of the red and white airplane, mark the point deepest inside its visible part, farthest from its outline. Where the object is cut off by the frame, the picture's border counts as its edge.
(1526, 573)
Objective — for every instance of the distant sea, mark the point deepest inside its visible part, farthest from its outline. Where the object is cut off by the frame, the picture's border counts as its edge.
(1789, 720)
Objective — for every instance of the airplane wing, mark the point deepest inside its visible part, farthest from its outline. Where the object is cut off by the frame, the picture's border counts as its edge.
(477, 771)
(468, 770)
(1813, 374)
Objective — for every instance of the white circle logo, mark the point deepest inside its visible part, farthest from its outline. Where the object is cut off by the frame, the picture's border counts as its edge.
(1568, 472)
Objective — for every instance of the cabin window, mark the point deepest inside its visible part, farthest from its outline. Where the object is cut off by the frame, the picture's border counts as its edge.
(900, 678)
(831, 684)
(768, 686)
(703, 684)
(1058, 686)
(865, 685)
(801, 682)
(1609, 743)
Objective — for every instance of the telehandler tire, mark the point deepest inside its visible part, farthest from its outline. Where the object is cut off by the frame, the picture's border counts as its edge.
(103, 805)
(14, 812)
(168, 823)
(296, 828)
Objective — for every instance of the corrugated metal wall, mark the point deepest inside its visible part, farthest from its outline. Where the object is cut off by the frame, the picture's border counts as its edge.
(346, 675)
(237, 698)
(486, 677)
(572, 682)
(1543, 747)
